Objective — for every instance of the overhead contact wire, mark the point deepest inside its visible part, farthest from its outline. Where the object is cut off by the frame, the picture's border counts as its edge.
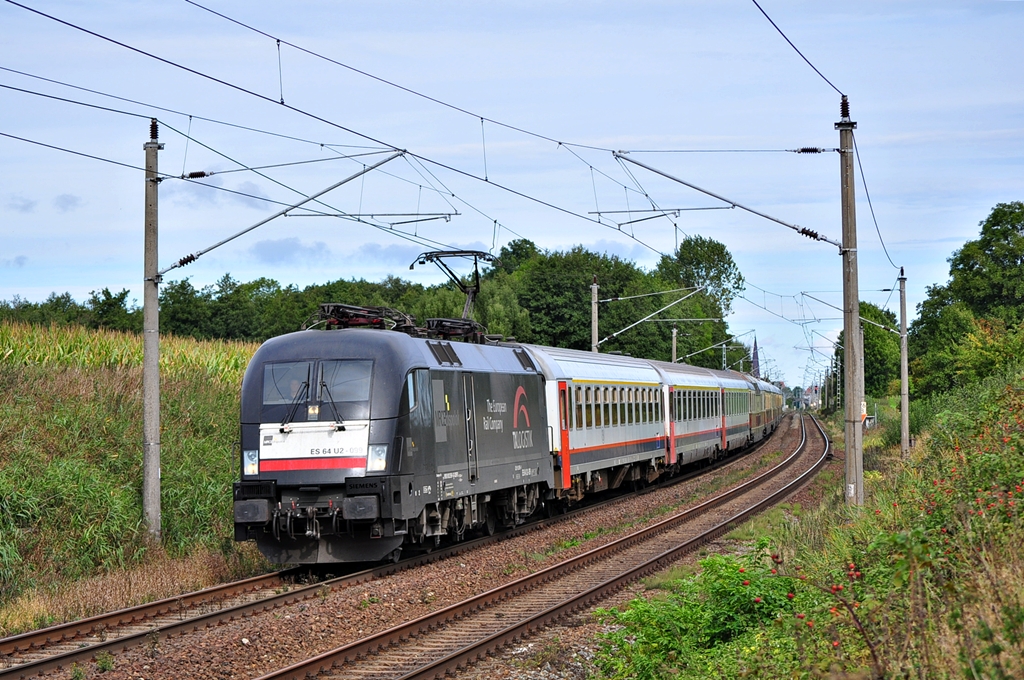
(797, 49)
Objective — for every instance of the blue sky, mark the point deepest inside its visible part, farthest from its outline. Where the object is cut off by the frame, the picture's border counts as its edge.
(935, 87)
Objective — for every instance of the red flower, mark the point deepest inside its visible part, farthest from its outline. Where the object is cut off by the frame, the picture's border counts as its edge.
(746, 583)
(757, 599)
(790, 595)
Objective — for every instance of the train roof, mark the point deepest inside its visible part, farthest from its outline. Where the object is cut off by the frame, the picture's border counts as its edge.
(405, 351)
(574, 364)
(684, 375)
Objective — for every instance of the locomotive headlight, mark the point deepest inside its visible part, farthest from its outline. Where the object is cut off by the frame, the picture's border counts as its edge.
(252, 464)
(377, 457)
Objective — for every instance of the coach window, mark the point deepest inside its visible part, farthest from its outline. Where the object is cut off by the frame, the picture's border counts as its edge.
(590, 409)
(622, 406)
(607, 409)
(615, 406)
(598, 420)
(657, 406)
(579, 407)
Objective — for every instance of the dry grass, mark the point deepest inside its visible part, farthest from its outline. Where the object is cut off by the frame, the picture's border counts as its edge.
(160, 577)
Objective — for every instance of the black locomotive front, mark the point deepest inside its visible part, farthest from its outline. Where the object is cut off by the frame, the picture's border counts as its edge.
(355, 442)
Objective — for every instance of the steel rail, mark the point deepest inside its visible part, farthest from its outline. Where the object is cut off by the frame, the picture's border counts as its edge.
(99, 623)
(396, 635)
(35, 641)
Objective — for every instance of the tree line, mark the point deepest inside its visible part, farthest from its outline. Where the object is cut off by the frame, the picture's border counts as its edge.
(533, 295)
(967, 329)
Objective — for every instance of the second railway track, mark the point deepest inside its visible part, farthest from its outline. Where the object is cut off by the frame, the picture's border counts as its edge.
(445, 641)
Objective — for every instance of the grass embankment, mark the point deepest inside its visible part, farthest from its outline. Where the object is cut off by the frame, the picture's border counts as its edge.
(72, 536)
(926, 580)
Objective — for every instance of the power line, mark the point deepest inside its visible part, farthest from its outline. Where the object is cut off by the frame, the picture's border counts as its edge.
(206, 76)
(803, 231)
(331, 123)
(73, 152)
(420, 240)
(864, 181)
(482, 119)
(803, 150)
(164, 108)
(72, 101)
(393, 84)
(188, 137)
(795, 48)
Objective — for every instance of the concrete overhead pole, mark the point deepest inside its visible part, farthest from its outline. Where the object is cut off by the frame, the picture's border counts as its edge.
(853, 344)
(675, 333)
(593, 315)
(904, 377)
(151, 345)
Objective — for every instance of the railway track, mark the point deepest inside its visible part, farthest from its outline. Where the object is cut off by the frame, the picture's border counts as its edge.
(61, 646)
(447, 640)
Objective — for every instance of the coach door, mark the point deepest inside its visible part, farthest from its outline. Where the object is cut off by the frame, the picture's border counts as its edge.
(471, 452)
(564, 414)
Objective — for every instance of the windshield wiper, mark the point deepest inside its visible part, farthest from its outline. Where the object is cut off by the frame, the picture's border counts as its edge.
(339, 424)
(304, 388)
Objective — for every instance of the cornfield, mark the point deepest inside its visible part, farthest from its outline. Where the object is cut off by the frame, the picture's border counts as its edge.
(78, 347)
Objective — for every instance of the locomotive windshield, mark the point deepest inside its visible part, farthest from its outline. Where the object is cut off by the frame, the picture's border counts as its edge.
(285, 382)
(346, 380)
(288, 384)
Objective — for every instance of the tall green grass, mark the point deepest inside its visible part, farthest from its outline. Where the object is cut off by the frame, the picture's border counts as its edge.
(71, 451)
